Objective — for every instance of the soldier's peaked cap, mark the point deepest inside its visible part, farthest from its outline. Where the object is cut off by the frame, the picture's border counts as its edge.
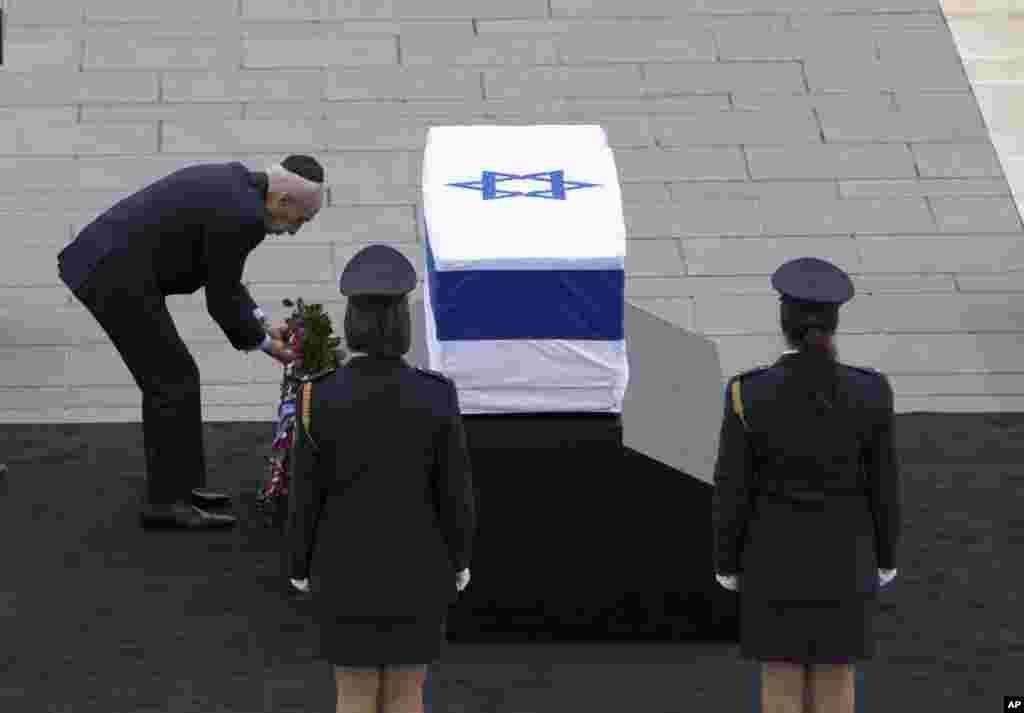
(810, 279)
(377, 270)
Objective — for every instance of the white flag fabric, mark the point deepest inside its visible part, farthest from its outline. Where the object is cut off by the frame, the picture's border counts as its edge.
(525, 254)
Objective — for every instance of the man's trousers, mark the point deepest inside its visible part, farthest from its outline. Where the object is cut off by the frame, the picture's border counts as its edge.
(131, 309)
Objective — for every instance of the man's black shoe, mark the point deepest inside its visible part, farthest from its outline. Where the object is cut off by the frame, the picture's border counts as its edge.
(181, 516)
(205, 498)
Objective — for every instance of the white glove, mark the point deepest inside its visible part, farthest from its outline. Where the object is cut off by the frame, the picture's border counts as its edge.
(461, 580)
(731, 582)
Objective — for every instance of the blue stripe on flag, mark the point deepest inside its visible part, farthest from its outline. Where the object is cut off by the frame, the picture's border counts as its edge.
(527, 304)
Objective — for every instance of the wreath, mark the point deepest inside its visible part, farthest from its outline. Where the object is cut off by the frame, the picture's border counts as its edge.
(310, 334)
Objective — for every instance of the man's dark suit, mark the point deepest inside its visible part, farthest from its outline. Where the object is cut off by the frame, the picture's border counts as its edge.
(381, 502)
(191, 229)
(807, 501)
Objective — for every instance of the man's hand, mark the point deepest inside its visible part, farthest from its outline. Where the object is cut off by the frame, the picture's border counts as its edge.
(279, 345)
(280, 351)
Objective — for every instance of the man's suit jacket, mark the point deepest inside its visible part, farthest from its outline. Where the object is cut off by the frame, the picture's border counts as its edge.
(807, 501)
(381, 500)
(194, 228)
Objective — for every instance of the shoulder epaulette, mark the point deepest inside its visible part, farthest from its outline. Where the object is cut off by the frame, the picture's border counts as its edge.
(737, 399)
(435, 374)
(318, 375)
(307, 399)
(865, 370)
(755, 370)
(307, 404)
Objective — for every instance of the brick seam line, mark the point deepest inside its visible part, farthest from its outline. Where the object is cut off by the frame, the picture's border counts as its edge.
(750, 176)
(803, 76)
(240, 59)
(81, 45)
(821, 126)
(910, 148)
(931, 212)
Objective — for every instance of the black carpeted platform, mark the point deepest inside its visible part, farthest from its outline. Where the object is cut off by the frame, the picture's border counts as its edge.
(97, 615)
(582, 538)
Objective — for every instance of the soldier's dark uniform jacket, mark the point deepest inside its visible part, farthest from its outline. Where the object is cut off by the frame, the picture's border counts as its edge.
(802, 492)
(193, 228)
(807, 500)
(363, 505)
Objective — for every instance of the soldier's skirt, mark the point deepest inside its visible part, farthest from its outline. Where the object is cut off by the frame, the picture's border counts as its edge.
(374, 642)
(807, 632)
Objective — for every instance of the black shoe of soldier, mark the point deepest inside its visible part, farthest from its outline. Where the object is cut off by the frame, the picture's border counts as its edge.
(204, 498)
(182, 516)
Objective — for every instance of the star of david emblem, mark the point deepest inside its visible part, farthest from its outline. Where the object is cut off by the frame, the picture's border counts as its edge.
(557, 188)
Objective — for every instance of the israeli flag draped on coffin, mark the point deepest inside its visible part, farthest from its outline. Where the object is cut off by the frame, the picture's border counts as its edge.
(525, 255)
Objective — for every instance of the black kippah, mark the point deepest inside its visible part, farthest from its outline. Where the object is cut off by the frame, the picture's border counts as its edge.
(305, 166)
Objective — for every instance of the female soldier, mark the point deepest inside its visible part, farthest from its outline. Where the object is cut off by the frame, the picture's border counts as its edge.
(807, 501)
(381, 462)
